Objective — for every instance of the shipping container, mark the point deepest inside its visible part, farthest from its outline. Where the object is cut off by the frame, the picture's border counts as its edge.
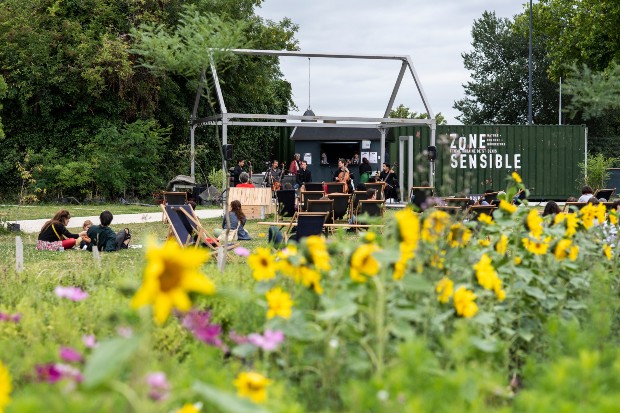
(474, 158)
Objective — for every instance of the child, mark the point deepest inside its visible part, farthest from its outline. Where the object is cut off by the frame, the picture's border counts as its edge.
(85, 239)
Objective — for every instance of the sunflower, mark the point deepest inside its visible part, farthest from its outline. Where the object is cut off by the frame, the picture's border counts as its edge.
(170, 273)
(485, 219)
(562, 249)
(363, 264)
(252, 385)
(607, 251)
(458, 236)
(613, 218)
(536, 247)
(318, 252)
(279, 302)
(400, 266)
(464, 302)
(573, 253)
(507, 206)
(311, 279)
(533, 222)
(263, 264)
(189, 408)
(485, 273)
(484, 242)
(408, 227)
(444, 289)
(502, 245)
(5, 387)
(434, 225)
(516, 177)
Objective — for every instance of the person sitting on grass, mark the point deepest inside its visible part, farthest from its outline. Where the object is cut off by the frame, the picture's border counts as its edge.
(54, 234)
(237, 221)
(104, 238)
(85, 240)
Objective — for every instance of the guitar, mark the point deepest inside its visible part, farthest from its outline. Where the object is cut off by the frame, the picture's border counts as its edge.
(277, 185)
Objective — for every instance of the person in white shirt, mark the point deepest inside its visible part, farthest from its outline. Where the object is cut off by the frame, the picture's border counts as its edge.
(586, 194)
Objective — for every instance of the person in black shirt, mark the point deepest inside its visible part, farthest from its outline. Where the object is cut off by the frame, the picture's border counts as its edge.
(365, 170)
(273, 176)
(342, 174)
(54, 233)
(303, 175)
(389, 177)
(237, 171)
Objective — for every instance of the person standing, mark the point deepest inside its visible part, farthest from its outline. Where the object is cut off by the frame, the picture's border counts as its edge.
(273, 175)
(237, 171)
(388, 176)
(365, 170)
(303, 175)
(295, 164)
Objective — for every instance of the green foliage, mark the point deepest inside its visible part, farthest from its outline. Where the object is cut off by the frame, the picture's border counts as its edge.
(595, 172)
(498, 64)
(594, 94)
(2, 95)
(403, 112)
(217, 178)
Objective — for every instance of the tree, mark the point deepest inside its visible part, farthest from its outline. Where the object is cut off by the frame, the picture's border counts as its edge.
(498, 91)
(403, 112)
(2, 95)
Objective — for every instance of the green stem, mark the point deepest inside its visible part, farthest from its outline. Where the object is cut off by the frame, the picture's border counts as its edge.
(380, 323)
(128, 393)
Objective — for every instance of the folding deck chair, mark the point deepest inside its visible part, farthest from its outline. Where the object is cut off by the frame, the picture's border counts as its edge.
(308, 223)
(322, 205)
(370, 207)
(313, 186)
(285, 203)
(604, 193)
(341, 204)
(355, 199)
(474, 211)
(335, 187)
(306, 196)
(572, 206)
(379, 187)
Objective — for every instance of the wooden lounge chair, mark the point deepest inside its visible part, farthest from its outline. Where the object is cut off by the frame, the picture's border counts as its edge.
(322, 205)
(604, 193)
(418, 195)
(573, 206)
(459, 202)
(335, 187)
(306, 196)
(452, 210)
(313, 186)
(341, 205)
(307, 224)
(285, 203)
(355, 199)
(379, 187)
(369, 207)
(474, 211)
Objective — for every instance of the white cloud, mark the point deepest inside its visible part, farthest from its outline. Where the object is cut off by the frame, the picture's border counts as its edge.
(434, 34)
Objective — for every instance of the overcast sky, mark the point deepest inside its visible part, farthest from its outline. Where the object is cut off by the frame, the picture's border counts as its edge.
(433, 33)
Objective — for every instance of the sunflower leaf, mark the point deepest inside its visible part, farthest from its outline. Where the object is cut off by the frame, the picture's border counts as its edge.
(226, 402)
(108, 358)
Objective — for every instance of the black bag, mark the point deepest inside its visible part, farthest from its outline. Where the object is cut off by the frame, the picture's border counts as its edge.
(123, 239)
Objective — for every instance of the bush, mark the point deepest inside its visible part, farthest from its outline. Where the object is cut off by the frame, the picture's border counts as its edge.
(595, 173)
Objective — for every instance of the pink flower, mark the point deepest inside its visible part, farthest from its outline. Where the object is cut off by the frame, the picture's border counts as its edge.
(124, 331)
(70, 355)
(72, 293)
(269, 341)
(159, 388)
(241, 251)
(199, 323)
(10, 317)
(237, 338)
(54, 372)
(89, 341)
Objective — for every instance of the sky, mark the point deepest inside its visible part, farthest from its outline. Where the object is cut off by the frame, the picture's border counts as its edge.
(433, 33)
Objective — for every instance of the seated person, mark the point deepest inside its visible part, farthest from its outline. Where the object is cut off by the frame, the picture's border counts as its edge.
(551, 209)
(244, 179)
(237, 221)
(104, 238)
(571, 199)
(85, 240)
(586, 194)
(54, 234)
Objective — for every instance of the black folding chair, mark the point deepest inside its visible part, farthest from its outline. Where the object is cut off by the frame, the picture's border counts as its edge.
(306, 196)
(355, 199)
(604, 193)
(286, 203)
(341, 204)
(313, 186)
(308, 223)
(370, 207)
(335, 187)
(379, 187)
(322, 205)
(175, 198)
(418, 195)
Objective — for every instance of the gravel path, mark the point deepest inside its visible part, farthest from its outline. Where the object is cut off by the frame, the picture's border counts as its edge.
(34, 225)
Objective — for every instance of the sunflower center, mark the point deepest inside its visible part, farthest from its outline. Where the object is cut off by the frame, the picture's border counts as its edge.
(170, 278)
(264, 262)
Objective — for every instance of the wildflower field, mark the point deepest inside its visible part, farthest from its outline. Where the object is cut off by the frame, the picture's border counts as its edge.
(508, 313)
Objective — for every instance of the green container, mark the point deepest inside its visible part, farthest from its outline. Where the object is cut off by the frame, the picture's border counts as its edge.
(474, 158)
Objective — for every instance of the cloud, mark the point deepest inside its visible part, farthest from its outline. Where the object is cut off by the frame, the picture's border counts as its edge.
(434, 34)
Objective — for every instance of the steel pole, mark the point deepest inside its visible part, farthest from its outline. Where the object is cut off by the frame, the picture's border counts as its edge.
(529, 82)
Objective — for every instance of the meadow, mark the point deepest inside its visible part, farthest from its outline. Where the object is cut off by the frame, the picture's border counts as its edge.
(514, 313)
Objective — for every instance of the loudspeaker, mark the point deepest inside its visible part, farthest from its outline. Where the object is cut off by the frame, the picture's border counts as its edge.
(431, 153)
(228, 152)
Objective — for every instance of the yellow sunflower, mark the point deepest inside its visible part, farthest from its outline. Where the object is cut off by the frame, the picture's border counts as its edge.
(444, 289)
(252, 385)
(408, 226)
(518, 260)
(363, 264)
(536, 247)
(485, 219)
(507, 206)
(607, 251)
(434, 225)
(263, 264)
(613, 218)
(406, 253)
(464, 302)
(484, 242)
(170, 273)
(573, 253)
(534, 222)
(458, 236)
(318, 252)
(279, 302)
(562, 249)
(502, 245)
(311, 279)
(5, 387)
(516, 177)
(189, 408)
(485, 273)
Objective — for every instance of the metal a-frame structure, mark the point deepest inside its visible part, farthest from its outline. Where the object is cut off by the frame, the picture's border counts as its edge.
(226, 119)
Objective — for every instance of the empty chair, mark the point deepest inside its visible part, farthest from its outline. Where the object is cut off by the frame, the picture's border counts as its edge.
(308, 223)
(341, 204)
(419, 194)
(604, 193)
(322, 205)
(309, 195)
(355, 198)
(313, 186)
(335, 187)
(286, 203)
(175, 198)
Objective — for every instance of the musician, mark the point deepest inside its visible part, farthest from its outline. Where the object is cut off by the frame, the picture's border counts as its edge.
(389, 177)
(237, 171)
(365, 170)
(295, 164)
(274, 175)
(303, 175)
(342, 174)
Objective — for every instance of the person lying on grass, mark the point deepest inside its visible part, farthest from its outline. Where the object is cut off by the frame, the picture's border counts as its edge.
(104, 238)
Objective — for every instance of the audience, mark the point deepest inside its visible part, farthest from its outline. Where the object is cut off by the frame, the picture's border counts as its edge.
(586, 194)
(551, 208)
(237, 221)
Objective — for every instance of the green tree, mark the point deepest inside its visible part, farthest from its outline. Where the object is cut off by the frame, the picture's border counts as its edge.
(403, 112)
(2, 95)
(498, 91)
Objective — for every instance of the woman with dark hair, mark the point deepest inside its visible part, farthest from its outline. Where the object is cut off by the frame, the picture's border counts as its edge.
(365, 170)
(551, 209)
(54, 234)
(237, 221)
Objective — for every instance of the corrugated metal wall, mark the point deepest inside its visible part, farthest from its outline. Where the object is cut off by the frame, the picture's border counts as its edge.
(472, 158)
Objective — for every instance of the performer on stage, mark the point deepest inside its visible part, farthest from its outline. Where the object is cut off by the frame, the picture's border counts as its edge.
(295, 164)
(343, 175)
(389, 177)
(274, 176)
(365, 170)
(237, 171)
(303, 175)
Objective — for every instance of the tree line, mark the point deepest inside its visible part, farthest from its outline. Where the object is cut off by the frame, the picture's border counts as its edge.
(577, 41)
(97, 94)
